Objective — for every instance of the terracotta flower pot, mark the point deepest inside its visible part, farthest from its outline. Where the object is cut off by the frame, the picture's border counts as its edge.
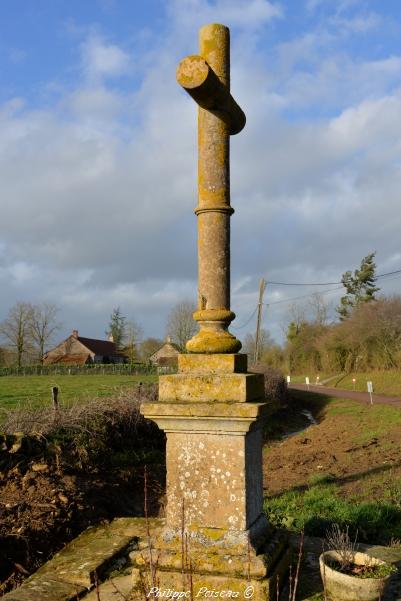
(342, 587)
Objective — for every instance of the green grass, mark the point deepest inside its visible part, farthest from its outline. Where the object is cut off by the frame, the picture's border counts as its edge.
(36, 390)
(319, 506)
(384, 382)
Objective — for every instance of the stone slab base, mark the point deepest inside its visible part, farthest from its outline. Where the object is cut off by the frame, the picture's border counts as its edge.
(72, 571)
(198, 571)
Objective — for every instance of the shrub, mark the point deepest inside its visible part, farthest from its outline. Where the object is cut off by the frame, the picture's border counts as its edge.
(94, 433)
(275, 384)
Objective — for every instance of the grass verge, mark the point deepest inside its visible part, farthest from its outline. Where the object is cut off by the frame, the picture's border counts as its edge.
(346, 469)
(386, 382)
(317, 508)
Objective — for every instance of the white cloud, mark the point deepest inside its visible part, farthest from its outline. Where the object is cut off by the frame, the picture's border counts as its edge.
(100, 59)
(359, 24)
(243, 14)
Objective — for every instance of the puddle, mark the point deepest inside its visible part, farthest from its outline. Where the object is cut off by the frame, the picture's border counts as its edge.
(311, 420)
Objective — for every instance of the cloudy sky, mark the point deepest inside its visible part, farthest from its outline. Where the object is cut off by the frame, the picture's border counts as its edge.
(98, 153)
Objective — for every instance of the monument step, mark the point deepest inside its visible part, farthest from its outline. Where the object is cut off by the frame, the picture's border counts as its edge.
(75, 568)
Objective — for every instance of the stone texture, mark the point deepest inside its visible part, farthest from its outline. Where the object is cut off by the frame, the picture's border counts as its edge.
(91, 552)
(212, 364)
(116, 589)
(73, 569)
(45, 589)
(211, 387)
(209, 475)
(197, 566)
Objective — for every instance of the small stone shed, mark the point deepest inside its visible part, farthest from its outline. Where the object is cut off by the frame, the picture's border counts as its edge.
(77, 350)
(166, 355)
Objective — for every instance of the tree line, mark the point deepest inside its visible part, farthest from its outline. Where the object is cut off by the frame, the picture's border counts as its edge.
(367, 334)
(30, 330)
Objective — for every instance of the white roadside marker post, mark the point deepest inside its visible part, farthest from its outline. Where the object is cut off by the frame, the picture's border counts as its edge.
(370, 391)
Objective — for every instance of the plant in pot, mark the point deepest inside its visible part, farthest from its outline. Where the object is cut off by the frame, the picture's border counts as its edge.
(349, 575)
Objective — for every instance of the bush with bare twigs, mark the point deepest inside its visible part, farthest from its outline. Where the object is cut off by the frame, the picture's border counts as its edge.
(92, 432)
(275, 384)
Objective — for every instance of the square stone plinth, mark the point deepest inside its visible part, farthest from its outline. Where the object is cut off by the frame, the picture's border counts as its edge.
(214, 462)
(190, 387)
(212, 364)
(214, 480)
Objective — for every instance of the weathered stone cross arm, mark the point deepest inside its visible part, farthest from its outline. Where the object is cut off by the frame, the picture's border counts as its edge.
(203, 85)
(207, 79)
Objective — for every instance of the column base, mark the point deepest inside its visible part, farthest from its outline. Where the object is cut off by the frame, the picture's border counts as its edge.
(209, 341)
(210, 564)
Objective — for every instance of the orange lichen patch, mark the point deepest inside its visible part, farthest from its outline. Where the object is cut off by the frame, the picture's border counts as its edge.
(214, 43)
(210, 92)
(213, 342)
(212, 364)
(240, 388)
(192, 71)
(214, 315)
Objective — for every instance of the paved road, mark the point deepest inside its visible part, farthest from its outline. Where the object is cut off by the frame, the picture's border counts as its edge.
(350, 394)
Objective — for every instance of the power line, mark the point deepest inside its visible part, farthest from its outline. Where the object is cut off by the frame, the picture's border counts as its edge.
(382, 275)
(247, 321)
(293, 298)
(288, 300)
(297, 284)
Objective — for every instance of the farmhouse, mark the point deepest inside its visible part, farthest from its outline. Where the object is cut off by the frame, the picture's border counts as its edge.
(76, 350)
(167, 355)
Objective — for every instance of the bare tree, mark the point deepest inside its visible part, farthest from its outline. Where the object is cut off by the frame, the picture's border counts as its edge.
(16, 330)
(265, 342)
(180, 323)
(149, 346)
(133, 333)
(43, 326)
(320, 309)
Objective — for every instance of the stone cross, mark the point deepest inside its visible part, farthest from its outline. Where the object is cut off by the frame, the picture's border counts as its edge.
(212, 409)
(207, 79)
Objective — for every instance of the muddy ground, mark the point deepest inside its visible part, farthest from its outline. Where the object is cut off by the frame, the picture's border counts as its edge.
(357, 444)
(42, 508)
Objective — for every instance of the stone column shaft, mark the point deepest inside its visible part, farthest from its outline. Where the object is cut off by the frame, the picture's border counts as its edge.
(207, 79)
(214, 209)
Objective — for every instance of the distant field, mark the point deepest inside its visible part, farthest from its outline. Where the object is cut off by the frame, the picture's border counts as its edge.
(36, 390)
(384, 382)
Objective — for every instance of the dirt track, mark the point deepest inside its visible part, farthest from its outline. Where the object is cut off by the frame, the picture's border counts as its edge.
(349, 394)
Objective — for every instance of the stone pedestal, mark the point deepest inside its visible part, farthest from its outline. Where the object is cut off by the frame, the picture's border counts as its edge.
(216, 535)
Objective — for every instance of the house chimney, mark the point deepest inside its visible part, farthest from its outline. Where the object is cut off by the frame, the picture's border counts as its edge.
(111, 337)
(75, 333)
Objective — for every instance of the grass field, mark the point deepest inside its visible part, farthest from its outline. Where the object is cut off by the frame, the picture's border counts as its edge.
(36, 390)
(384, 382)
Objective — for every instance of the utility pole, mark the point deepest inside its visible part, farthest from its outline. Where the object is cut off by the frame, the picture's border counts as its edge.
(262, 287)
